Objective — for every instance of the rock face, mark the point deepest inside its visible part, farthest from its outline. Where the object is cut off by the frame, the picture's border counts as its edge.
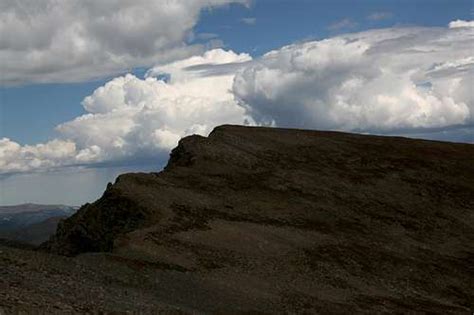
(294, 220)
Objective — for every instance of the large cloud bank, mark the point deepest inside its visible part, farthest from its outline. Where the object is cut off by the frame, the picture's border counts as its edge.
(394, 81)
(376, 81)
(130, 118)
(73, 40)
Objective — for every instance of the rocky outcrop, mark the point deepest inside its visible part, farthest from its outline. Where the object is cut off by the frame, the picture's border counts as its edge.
(298, 220)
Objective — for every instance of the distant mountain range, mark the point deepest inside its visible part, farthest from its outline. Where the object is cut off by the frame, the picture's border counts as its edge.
(31, 223)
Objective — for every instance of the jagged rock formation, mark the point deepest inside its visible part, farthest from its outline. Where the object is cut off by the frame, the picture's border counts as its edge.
(276, 220)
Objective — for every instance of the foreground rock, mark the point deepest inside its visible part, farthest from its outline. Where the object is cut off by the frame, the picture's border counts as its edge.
(33, 282)
(274, 220)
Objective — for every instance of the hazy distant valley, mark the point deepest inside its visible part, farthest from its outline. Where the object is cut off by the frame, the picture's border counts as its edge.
(31, 223)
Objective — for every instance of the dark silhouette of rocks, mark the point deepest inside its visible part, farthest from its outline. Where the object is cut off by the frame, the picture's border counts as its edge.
(279, 220)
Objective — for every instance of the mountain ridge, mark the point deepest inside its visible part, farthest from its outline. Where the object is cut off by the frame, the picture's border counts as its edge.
(337, 221)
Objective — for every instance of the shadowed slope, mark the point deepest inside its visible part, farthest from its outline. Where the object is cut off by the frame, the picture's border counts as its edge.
(297, 220)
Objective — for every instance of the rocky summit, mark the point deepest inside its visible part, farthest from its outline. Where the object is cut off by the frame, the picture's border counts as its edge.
(267, 220)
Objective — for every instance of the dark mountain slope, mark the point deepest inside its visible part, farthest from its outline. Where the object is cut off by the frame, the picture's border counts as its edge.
(293, 220)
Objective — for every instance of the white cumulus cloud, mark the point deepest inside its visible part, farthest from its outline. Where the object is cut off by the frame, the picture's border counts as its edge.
(461, 23)
(392, 81)
(74, 40)
(16, 158)
(379, 81)
(130, 118)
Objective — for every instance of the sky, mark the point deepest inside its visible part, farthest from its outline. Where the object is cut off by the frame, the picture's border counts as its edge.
(93, 89)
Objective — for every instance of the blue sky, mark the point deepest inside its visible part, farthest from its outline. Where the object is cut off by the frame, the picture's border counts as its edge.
(282, 22)
(29, 112)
